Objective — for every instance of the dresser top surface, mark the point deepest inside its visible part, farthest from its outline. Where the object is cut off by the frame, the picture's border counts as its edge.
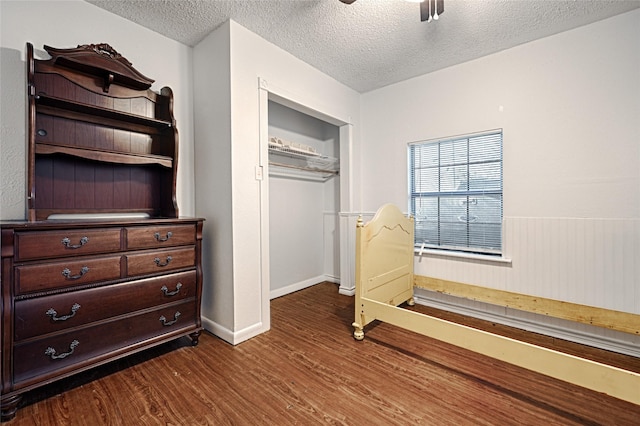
(92, 223)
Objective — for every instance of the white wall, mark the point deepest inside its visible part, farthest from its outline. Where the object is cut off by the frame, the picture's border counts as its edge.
(296, 237)
(252, 58)
(569, 106)
(67, 24)
(212, 118)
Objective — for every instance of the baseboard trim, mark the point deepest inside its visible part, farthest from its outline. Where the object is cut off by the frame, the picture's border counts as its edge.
(232, 337)
(346, 291)
(332, 279)
(548, 330)
(283, 291)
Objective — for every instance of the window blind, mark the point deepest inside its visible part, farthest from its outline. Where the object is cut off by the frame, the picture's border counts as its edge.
(456, 192)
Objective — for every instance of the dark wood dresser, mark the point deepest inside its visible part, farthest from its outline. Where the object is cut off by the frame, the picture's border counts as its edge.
(103, 266)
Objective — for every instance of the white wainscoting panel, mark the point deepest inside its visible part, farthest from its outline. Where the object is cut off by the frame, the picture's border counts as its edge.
(331, 232)
(593, 262)
(348, 223)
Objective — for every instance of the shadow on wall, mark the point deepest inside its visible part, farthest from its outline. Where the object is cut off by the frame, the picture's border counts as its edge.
(13, 145)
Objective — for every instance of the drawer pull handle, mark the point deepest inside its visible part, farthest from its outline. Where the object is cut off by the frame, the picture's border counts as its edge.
(157, 261)
(67, 243)
(50, 352)
(162, 239)
(67, 273)
(166, 291)
(166, 323)
(54, 315)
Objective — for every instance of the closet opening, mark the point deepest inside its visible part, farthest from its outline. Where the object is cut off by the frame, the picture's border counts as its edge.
(305, 188)
(304, 200)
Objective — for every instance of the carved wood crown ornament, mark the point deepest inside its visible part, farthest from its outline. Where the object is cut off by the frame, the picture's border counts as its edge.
(107, 50)
(103, 61)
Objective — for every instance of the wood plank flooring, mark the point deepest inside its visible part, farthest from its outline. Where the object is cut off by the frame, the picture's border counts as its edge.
(308, 370)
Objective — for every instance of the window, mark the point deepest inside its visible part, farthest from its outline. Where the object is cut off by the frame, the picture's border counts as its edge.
(456, 192)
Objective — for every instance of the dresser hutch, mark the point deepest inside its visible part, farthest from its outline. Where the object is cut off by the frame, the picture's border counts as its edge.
(103, 266)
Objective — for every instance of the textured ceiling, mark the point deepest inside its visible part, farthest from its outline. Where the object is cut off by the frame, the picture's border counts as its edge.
(372, 43)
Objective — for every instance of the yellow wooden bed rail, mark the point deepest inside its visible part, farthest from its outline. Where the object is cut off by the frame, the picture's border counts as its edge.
(606, 318)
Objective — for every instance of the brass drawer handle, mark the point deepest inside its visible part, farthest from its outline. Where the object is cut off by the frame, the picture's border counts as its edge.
(162, 239)
(50, 352)
(67, 273)
(166, 291)
(166, 323)
(67, 243)
(54, 315)
(157, 261)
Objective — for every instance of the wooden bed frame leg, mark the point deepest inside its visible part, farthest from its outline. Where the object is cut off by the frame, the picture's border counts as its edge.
(411, 302)
(358, 333)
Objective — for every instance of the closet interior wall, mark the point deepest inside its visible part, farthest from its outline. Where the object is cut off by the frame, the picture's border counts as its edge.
(303, 210)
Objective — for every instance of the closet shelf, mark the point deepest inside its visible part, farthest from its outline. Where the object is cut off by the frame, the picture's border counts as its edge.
(280, 170)
(287, 162)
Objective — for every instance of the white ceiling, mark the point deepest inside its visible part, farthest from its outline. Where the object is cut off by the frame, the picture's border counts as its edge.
(372, 43)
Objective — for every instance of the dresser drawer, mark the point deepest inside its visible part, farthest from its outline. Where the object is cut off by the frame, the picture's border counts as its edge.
(43, 315)
(66, 273)
(48, 244)
(64, 352)
(158, 261)
(139, 237)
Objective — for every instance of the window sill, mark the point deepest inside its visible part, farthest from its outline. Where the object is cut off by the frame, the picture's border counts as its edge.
(463, 256)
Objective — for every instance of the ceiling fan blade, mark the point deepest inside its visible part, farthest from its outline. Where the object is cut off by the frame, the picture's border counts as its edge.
(439, 6)
(424, 10)
(347, 1)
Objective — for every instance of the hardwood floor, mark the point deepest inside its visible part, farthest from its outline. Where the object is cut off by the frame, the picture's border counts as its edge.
(309, 370)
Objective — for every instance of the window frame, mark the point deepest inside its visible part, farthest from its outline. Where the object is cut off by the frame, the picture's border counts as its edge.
(493, 247)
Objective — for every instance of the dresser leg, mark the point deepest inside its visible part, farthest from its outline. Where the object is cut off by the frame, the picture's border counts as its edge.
(194, 338)
(9, 407)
